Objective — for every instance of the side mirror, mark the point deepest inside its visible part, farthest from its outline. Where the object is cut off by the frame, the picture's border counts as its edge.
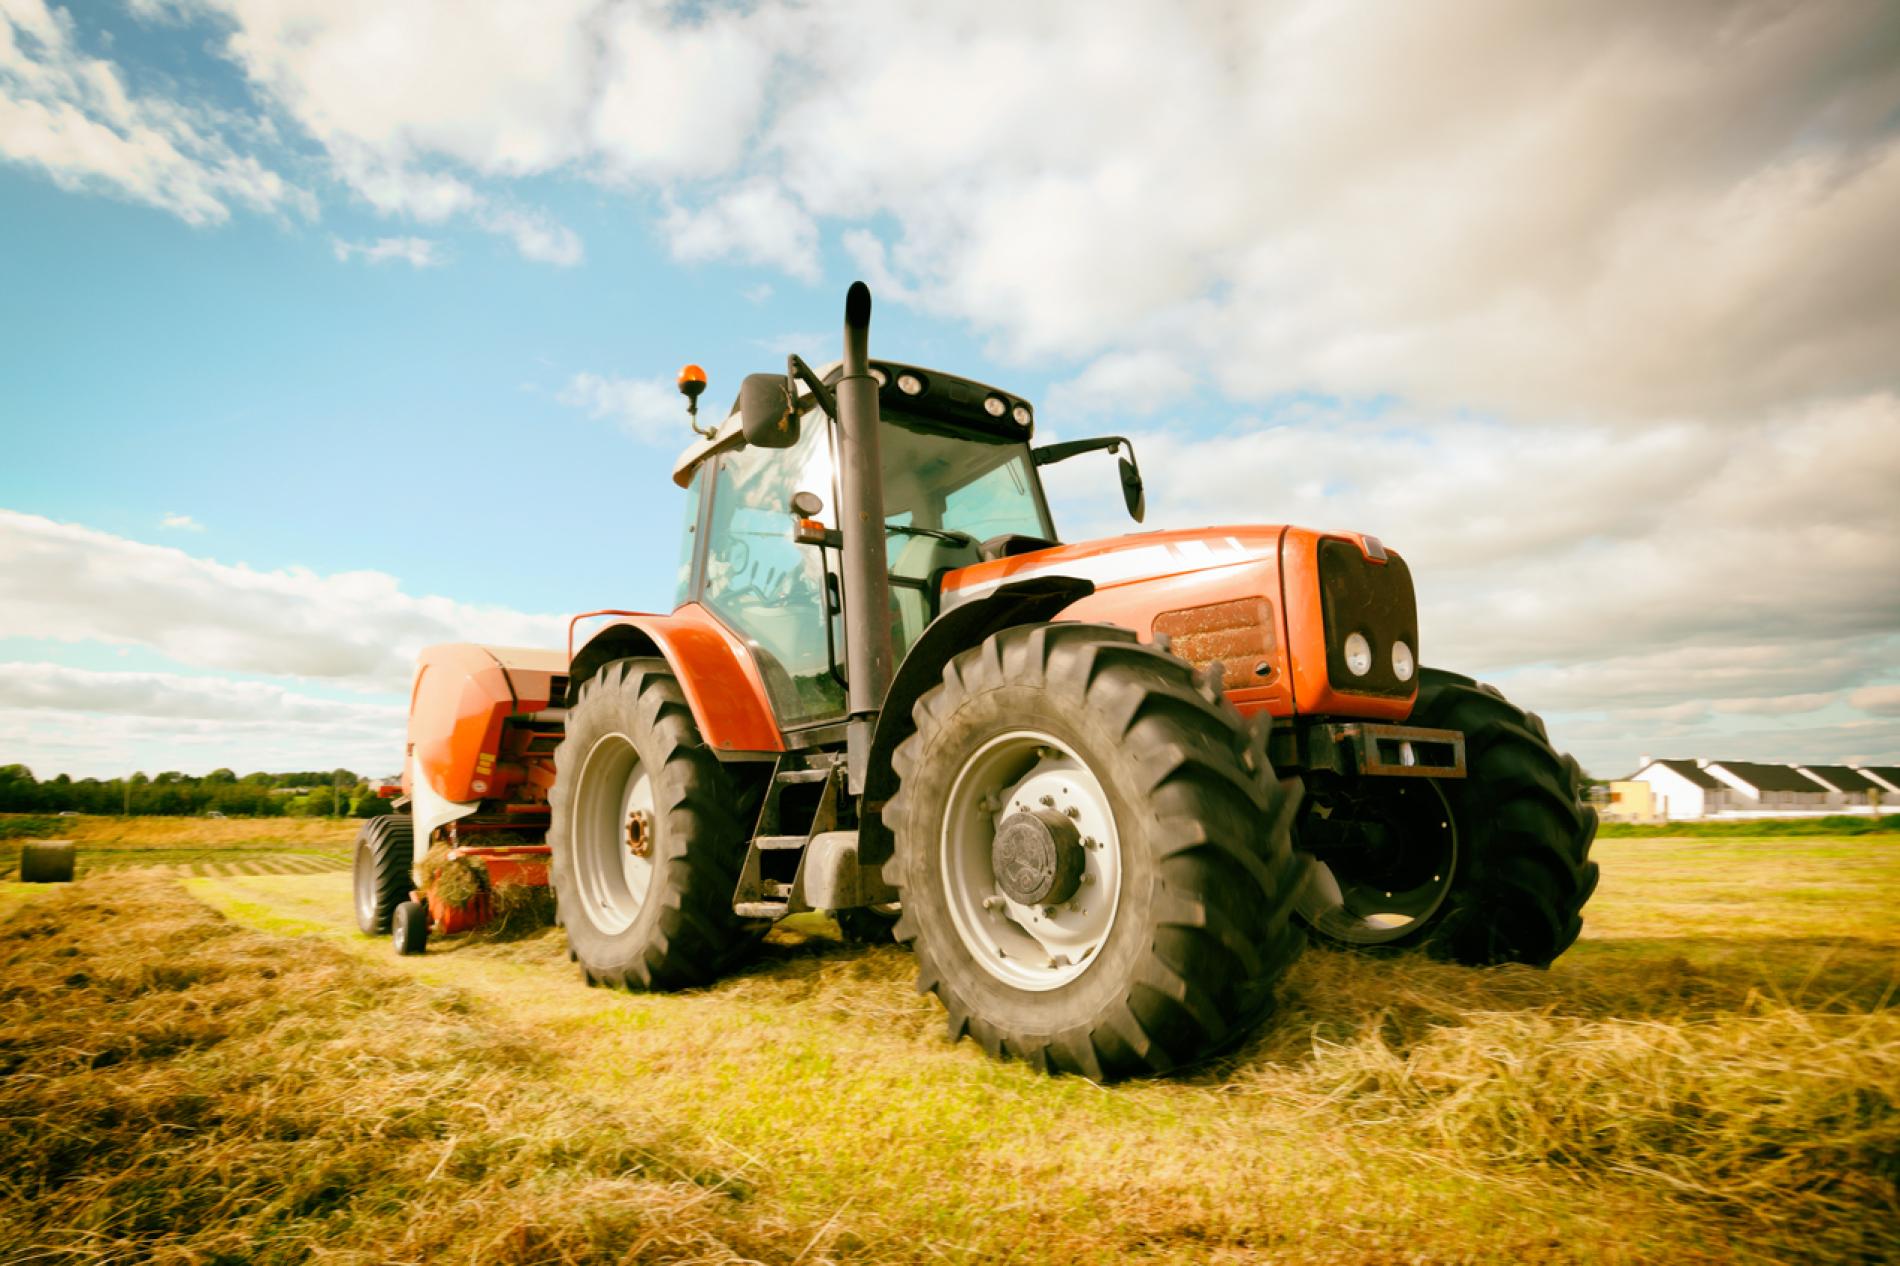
(807, 505)
(1133, 494)
(765, 411)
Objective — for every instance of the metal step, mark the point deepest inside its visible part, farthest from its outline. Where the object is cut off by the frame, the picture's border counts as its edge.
(801, 775)
(760, 909)
(767, 843)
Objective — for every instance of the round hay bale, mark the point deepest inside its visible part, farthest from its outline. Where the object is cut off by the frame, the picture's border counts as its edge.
(47, 862)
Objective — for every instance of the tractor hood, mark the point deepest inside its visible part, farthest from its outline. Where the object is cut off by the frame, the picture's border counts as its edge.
(1121, 560)
(1268, 608)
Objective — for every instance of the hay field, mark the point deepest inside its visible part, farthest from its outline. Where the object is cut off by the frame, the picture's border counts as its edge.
(187, 846)
(219, 1069)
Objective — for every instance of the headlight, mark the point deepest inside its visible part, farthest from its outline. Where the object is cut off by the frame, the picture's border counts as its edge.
(1358, 654)
(996, 406)
(1402, 661)
(879, 375)
(1021, 414)
(910, 384)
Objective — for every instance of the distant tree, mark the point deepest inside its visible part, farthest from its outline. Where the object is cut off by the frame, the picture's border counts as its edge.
(19, 791)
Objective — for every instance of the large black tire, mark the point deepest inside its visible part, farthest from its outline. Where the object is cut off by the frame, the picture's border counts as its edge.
(47, 862)
(1207, 875)
(385, 854)
(632, 720)
(1522, 870)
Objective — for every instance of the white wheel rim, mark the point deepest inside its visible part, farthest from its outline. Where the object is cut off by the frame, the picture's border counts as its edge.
(1027, 947)
(612, 790)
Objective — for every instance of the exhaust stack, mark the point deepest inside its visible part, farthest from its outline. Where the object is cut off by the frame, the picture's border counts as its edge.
(867, 586)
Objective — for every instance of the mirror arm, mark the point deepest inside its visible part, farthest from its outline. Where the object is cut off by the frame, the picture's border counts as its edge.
(1050, 454)
(798, 371)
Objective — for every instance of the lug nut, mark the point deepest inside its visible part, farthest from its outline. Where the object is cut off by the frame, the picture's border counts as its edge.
(1073, 812)
(1047, 802)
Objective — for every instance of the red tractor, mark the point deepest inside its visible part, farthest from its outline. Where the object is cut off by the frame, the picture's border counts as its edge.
(1104, 789)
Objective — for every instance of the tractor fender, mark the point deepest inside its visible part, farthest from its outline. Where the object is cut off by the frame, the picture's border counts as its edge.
(1029, 601)
(720, 678)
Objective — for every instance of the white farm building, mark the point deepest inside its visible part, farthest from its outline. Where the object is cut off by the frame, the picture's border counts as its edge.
(1674, 789)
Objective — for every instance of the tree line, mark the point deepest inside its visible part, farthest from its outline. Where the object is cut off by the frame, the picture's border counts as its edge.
(303, 793)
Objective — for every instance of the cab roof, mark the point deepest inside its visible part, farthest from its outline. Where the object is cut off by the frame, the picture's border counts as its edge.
(945, 399)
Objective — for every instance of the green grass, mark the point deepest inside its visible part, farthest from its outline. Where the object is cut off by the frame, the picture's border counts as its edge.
(1711, 1075)
(1754, 828)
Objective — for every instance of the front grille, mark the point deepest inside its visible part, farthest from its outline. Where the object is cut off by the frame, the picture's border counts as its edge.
(1360, 596)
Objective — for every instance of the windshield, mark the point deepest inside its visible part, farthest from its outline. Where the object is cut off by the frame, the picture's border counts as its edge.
(974, 484)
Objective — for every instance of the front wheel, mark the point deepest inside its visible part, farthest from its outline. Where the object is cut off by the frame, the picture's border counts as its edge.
(1094, 864)
(1489, 868)
(645, 841)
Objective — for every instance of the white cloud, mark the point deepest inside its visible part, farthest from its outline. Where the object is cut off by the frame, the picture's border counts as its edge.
(180, 522)
(1582, 208)
(1123, 383)
(60, 688)
(418, 252)
(1590, 569)
(535, 235)
(1880, 700)
(755, 222)
(649, 409)
(110, 744)
(73, 117)
(358, 629)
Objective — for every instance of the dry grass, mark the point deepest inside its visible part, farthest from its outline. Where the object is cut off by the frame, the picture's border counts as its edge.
(1685, 1086)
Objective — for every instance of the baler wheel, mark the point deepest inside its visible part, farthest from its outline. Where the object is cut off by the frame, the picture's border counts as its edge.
(384, 854)
(1520, 868)
(1094, 856)
(646, 837)
(867, 925)
(409, 928)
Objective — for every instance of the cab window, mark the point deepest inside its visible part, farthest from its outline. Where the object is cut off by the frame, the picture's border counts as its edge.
(765, 586)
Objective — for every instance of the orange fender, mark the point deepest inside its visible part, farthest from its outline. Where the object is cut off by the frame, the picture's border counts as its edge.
(716, 670)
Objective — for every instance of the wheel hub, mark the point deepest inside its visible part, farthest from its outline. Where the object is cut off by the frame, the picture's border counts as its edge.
(639, 832)
(1038, 857)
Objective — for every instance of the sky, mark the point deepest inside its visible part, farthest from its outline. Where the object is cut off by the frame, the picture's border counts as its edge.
(333, 328)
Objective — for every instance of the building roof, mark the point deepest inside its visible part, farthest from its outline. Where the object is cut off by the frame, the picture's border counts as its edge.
(1841, 778)
(1696, 775)
(1889, 774)
(1770, 777)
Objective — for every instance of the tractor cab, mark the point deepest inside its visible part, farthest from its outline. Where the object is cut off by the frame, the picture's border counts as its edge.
(960, 486)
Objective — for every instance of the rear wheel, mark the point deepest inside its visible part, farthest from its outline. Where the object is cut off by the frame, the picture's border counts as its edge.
(646, 843)
(384, 853)
(1094, 864)
(1490, 868)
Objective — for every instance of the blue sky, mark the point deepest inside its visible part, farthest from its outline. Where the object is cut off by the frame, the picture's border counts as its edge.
(328, 329)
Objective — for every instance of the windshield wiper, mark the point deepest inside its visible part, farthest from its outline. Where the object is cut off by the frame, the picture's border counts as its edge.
(941, 534)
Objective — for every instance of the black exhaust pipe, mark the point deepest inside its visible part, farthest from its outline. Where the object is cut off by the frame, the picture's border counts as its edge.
(867, 582)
